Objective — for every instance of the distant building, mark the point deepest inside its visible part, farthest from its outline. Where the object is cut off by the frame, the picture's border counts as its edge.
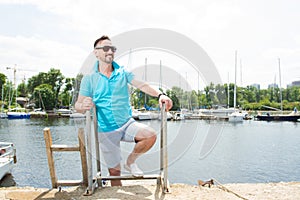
(273, 85)
(22, 101)
(256, 85)
(295, 83)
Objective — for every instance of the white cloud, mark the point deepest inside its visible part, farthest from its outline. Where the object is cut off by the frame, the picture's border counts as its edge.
(218, 16)
(220, 27)
(284, 53)
(40, 55)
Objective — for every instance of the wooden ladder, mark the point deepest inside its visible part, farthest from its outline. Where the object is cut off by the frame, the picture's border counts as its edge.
(50, 148)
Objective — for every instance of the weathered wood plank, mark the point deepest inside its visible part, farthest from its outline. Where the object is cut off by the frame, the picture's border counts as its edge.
(48, 142)
(62, 147)
(82, 149)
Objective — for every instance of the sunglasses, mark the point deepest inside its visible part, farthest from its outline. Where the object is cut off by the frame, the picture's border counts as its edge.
(106, 48)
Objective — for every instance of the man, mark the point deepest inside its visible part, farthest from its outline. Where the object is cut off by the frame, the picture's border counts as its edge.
(107, 89)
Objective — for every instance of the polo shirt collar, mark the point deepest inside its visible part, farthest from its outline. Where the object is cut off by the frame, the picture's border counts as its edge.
(114, 64)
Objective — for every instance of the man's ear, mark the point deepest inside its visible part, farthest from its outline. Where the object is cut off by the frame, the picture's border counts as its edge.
(95, 52)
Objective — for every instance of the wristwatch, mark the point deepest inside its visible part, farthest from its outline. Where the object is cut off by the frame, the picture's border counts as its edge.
(160, 95)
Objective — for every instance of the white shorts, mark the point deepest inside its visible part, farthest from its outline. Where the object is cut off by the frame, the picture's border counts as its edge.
(110, 141)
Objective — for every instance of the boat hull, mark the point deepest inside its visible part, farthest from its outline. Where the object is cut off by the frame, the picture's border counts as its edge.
(235, 118)
(7, 158)
(3, 115)
(6, 165)
(18, 115)
(278, 117)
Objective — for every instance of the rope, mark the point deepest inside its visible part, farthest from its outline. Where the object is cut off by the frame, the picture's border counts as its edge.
(227, 190)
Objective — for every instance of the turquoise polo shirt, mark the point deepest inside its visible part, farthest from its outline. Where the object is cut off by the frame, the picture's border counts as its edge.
(110, 96)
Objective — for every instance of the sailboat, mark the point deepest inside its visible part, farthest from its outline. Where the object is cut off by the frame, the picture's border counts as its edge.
(2, 113)
(17, 113)
(39, 112)
(7, 158)
(293, 116)
(236, 116)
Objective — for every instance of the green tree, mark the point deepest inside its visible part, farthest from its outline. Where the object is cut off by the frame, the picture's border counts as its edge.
(221, 94)
(210, 94)
(2, 83)
(35, 81)
(231, 95)
(44, 95)
(76, 88)
(203, 101)
(177, 96)
(173, 96)
(22, 90)
(295, 94)
(67, 95)
(194, 99)
(54, 78)
(2, 79)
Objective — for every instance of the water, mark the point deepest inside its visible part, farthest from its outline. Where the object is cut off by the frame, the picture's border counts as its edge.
(247, 152)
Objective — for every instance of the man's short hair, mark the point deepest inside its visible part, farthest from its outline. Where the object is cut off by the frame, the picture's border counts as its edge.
(104, 37)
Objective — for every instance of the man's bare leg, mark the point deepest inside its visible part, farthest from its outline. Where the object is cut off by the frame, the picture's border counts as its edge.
(145, 139)
(115, 172)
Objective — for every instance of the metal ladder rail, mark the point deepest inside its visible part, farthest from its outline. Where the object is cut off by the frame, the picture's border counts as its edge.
(162, 178)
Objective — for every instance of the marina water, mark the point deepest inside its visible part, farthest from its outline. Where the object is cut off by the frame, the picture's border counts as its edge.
(246, 152)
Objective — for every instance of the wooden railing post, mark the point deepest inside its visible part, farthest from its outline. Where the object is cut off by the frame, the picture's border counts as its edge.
(82, 150)
(48, 141)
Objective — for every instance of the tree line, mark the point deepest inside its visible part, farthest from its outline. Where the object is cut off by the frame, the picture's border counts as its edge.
(53, 90)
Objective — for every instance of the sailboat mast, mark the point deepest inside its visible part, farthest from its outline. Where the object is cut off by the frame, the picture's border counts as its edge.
(235, 68)
(2, 92)
(160, 76)
(198, 92)
(241, 73)
(228, 97)
(10, 96)
(280, 85)
(145, 79)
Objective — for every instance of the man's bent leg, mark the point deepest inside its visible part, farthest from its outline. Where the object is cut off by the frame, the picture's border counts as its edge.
(116, 171)
(145, 139)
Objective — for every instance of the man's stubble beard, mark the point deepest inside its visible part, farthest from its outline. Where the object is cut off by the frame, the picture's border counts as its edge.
(109, 60)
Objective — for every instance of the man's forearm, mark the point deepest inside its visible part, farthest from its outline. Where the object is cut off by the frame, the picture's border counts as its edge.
(146, 88)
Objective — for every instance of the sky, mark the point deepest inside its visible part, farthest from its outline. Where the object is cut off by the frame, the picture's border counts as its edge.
(38, 35)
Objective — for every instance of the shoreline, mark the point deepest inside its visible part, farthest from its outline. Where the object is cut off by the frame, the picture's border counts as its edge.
(145, 190)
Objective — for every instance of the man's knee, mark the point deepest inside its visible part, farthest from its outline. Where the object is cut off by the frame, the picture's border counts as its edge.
(149, 136)
(153, 137)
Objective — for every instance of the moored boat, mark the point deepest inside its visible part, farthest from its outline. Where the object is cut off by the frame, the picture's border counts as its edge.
(279, 117)
(17, 114)
(38, 113)
(77, 115)
(178, 116)
(7, 158)
(63, 112)
(219, 112)
(237, 116)
(3, 115)
(148, 115)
